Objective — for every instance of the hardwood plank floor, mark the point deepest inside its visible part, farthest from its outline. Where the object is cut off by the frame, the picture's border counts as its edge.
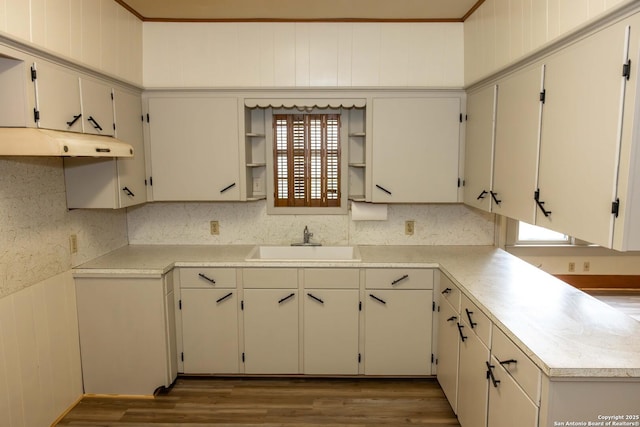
(275, 402)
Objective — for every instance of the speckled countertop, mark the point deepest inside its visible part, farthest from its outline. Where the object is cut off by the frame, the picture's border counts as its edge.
(566, 332)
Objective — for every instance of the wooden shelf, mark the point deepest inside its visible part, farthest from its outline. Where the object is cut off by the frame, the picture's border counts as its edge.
(358, 134)
(256, 165)
(357, 165)
(256, 198)
(254, 135)
(357, 198)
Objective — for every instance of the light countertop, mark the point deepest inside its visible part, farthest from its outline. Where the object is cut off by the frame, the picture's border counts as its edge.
(566, 332)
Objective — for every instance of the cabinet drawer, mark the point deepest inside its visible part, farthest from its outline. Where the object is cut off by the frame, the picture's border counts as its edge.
(398, 278)
(449, 292)
(272, 278)
(207, 277)
(332, 278)
(479, 323)
(521, 368)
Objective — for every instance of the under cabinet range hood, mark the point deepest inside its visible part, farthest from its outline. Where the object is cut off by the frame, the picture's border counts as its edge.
(45, 142)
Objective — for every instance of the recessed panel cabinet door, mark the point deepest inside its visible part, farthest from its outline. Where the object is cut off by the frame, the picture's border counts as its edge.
(516, 144)
(509, 405)
(448, 338)
(210, 331)
(271, 331)
(398, 332)
(194, 148)
(58, 98)
(479, 148)
(472, 379)
(97, 107)
(415, 150)
(580, 136)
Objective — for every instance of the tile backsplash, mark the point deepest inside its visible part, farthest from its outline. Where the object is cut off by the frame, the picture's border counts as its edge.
(248, 223)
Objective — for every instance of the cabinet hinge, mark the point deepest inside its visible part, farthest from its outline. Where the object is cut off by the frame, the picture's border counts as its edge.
(433, 306)
(626, 69)
(242, 357)
(147, 117)
(145, 182)
(461, 182)
(182, 357)
(242, 307)
(34, 74)
(615, 207)
(142, 118)
(359, 357)
(151, 181)
(114, 126)
(543, 95)
(432, 358)
(180, 304)
(460, 117)
(360, 306)
(36, 115)
(112, 96)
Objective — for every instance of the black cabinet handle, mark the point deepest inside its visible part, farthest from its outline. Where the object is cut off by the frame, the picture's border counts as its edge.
(462, 337)
(395, 282)
(207, 278)
(291, 295)
(95, 124)
(508, 362)
(129, 192)
(490, 375)
(315, 298)
(471, 322)
(219, 300)
(495, 199)
(75, 119)
(228, 187)
(383, 189)
(380, 300)
(536, 197)
(452, 318)
(481, 195)
(446, 291)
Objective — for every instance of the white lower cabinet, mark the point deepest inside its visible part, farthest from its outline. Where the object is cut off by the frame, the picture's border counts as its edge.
(509, 405)
(271, 331)
(472, 379)
(127, 338)
(448, 352)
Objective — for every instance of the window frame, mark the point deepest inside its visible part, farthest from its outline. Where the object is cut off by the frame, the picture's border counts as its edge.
(272, 207)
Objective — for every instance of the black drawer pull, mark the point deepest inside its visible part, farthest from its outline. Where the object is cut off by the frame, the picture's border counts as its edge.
(462, 337)
(471, 322)
(508, 362)
(219, 300)
(207, 278)
(75, 119)
(291, 295)
(481, 195)
(490, 375)
(227, 188)
(395, 282)
(452, 318)
(377, 299)
(495, 198)
(536, 197)
(129, 192)
(383, 189)
(315, 298)
(446, 291)
(95, 124)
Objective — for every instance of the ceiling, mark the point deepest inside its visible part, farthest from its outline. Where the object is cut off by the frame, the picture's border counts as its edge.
(302, 10)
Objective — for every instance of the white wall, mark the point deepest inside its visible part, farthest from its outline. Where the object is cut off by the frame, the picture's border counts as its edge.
(501, 31)
(264, 55)
(98, 33)
(248, 223)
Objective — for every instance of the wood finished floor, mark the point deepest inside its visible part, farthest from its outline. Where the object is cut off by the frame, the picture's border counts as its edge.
(275, 402)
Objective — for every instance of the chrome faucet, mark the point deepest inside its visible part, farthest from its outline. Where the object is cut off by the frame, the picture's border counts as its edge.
(306, 236)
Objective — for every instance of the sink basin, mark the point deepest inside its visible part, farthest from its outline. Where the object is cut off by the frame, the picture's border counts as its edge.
(304, 253)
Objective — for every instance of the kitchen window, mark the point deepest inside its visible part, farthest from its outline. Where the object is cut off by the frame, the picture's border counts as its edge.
(307, 160)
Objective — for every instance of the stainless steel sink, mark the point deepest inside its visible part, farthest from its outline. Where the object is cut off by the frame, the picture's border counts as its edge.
(304, 253)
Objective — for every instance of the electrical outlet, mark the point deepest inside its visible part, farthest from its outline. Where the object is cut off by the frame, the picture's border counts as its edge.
(215, 228)
(73, 244)
(586, 266)
(409, 227)
(572, 267)
(257, 185)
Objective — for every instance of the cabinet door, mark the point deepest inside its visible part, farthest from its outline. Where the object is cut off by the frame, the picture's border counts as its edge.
(398, 332)
(131, 171)
(472, 379)
(516, 146)
(57, 98)
(415, 149)
(447, 357)
(331, 331)
(478, 166)
(194, 148)
(210, 331)
(580, 136)
(509, 405)
(97, 107)
(271, 331)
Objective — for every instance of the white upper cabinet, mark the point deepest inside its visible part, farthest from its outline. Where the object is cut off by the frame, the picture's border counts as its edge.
(479, 148)
(57, 97)
(580, 140)
(97, 107)
(516, 144)
(194, 148)
(416, 149)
